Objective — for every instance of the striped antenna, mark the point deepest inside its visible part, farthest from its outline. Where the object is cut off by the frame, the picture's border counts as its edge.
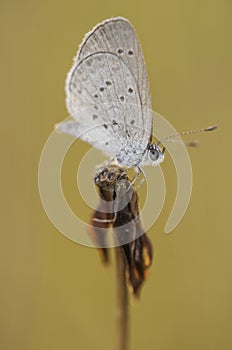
(210, 128)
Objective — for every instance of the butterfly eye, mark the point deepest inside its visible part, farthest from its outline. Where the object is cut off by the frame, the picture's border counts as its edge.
(154, 152)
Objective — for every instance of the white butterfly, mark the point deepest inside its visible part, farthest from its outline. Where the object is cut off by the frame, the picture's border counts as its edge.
(108, 95)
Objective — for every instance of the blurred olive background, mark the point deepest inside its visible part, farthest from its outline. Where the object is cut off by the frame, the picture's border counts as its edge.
(55, 294)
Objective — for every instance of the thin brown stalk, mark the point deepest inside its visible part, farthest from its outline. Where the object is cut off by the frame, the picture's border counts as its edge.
(122, 301)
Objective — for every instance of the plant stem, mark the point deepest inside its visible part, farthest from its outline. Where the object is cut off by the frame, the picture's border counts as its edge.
(122, 300)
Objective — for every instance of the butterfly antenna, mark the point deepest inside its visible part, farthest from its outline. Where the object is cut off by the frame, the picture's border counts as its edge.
(210, 128)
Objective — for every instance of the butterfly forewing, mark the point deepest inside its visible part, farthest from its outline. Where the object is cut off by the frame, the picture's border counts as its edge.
(117, 36)
(108, 92)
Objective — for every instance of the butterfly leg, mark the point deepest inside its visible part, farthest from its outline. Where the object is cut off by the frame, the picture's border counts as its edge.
(138, 171)
(108, 162)
(143, 178)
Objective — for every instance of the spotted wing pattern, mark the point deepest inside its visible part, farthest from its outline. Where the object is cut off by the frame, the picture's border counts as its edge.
(108, 94)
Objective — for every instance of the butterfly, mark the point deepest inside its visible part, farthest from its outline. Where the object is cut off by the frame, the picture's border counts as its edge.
(108, 96)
